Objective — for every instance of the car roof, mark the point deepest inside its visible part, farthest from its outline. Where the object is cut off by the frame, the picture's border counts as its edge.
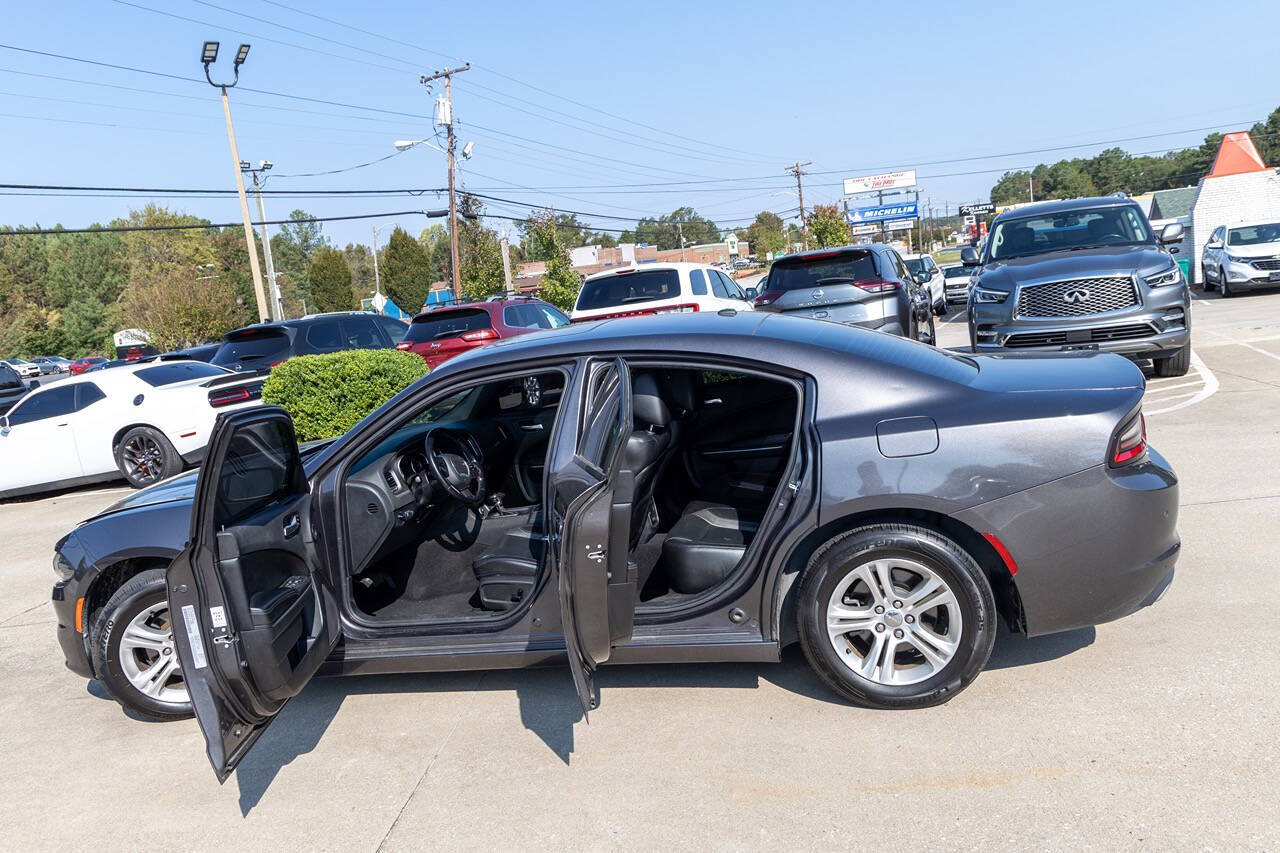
(1249, 223)
(1048, 208)
(827, 253)
(683, 266)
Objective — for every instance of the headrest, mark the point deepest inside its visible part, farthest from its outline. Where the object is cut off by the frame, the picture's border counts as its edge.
(646, 403)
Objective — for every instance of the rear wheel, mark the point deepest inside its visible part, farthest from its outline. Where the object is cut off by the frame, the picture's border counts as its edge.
(144, 456)
(133, 651)
(896, 616)
(1175, 365)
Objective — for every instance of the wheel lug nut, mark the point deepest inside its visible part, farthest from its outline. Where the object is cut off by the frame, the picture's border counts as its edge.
(897, 632)
(879, 628)
(897, 603)
(879, 609)
(910, 618)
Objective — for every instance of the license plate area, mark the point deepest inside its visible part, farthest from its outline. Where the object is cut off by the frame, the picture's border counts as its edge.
(1075, 347)
(1275, 276)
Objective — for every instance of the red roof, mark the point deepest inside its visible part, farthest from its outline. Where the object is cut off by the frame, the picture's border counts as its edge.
(1236, 156)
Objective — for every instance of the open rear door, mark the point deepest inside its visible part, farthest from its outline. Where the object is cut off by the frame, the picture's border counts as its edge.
(253, 614)
(590, 512)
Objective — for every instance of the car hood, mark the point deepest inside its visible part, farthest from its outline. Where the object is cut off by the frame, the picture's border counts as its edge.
(1258, 250)
(182, 488)
(1084, 263)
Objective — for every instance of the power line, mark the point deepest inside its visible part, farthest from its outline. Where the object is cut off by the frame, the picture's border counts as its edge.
(116, 229)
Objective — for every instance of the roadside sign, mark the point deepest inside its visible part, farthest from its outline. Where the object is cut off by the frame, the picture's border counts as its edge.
(863, 215)
(900, 225)
(971, 220)
(863, 230)
(977, 209)
(886, 181)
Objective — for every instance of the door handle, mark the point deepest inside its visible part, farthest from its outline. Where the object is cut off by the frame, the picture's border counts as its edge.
(714, 401)
(292, 524)
(531, 427)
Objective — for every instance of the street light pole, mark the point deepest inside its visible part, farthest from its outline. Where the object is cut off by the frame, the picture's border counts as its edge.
(208, 56)
(444, 116)
(277, 303)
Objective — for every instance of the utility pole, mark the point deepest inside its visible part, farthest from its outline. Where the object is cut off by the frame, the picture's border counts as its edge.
(1031, 190)
(277, 304)
(444, 115)
(377, 284)
(798, 170)
(847, 223)
(680, 228)
(506, 260)
(208, 56)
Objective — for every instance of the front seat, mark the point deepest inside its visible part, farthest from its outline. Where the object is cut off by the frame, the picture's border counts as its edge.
(646, 448)
(705, 545)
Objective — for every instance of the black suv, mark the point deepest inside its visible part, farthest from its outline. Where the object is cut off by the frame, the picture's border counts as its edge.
(1085, 274)
(12, 388)
(262, 346)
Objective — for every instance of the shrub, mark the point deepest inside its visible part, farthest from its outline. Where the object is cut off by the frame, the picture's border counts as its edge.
(326, 395)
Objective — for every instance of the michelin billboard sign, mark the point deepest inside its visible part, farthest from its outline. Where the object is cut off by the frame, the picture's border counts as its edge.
(863, 215)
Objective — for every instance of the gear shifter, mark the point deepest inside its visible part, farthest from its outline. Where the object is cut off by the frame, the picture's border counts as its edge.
(495, 506)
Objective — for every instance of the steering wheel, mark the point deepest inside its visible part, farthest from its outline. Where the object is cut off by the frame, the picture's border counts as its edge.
(455, 464)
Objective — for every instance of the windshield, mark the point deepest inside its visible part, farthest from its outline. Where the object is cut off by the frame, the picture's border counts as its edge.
(446, 324)
(9, 377)
(252, 346)
(1122, 225)
(1254, 235)
(629, 288)
(845, 268)
(955, 272)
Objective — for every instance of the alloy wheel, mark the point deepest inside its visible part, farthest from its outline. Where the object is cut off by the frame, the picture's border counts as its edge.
(148, 657)
(143, 458)
(894, 621)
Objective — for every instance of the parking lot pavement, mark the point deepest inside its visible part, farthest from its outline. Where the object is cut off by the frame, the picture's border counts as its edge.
(1158, 730)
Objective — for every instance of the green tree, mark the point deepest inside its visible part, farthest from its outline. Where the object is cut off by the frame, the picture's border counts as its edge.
(292, 250)
(665, 231)
(827, 226)
(359, 260)
(765, 234)
(330, 279)
(406, 272)
(560, 283)
(479, 252)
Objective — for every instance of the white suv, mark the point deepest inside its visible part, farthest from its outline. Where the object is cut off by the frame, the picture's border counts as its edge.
(926, 271)
(670, 288)
(1242, 257)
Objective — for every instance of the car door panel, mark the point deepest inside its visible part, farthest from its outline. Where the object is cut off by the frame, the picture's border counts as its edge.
(741, 437)
(254, 614)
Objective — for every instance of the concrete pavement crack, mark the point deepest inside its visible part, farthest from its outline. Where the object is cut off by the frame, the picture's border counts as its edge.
(431, 763)
(1233, 500)
(5, 622)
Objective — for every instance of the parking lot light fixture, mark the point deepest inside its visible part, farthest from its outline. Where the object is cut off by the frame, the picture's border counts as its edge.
(241, 55)
(210, 53)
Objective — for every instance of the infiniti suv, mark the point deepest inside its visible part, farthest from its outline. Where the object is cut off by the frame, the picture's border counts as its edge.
(1085, 274)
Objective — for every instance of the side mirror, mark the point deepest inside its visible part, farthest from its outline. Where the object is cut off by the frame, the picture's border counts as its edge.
(1213, 244)
(751, 294)
(1171, 233)
(4, 425)
(969, 256)
(921, 277)
(33, 384)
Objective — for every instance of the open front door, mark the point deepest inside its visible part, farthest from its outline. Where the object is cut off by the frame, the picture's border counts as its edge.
(590, 501)
(253, 615)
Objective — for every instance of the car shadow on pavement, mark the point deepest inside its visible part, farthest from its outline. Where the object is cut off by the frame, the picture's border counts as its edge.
(548, 705)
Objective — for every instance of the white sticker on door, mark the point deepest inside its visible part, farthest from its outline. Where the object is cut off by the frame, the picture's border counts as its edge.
(218, 616)
(193, 636)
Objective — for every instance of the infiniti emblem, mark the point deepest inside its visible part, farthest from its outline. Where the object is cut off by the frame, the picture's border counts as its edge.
(1076, 295)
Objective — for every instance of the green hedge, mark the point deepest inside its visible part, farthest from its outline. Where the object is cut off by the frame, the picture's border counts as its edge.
(326, 395)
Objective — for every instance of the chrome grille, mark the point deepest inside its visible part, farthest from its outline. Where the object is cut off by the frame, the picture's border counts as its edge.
(1267, 264)
(1077, 297)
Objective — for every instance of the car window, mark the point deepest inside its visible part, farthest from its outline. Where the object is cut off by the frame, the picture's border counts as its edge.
(177, 371)
(804, 274)
(324, 335)
(439, 325)
(261, 467)
(554, 316)
(393, 328)
(600, 436)
(698, 282)
(361, 333)
(627, 288)
(731, 286)
(55, 402)
(9, 377)
(717, 285)
(1253, 235)
(252, 346)
(87, 394)
(531, 315)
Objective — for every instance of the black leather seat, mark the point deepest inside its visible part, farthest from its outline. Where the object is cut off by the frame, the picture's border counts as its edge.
(705, 545)
(647, 446)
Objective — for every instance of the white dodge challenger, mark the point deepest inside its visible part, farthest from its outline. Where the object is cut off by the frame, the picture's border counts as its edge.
(144, 422)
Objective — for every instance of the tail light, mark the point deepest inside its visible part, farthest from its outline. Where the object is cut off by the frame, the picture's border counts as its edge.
(688, 308)
(404, 345)
(229, 396)
(876, 286)
(276, 364)
(1130, 442)
(479, 335)
(768, 298)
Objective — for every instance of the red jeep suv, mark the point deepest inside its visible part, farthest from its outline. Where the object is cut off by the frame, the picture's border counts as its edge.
(441, 333)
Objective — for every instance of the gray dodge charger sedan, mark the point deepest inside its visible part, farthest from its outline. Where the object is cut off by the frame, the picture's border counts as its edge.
(698, 487)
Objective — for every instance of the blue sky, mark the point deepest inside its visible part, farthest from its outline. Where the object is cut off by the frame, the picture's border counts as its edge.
(568, 103)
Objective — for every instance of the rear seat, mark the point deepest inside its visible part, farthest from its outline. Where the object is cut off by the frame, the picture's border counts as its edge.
(705, 545)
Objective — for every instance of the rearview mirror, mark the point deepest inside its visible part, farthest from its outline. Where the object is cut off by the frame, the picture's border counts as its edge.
(751, 294)
(969, 256)
(1171, 233)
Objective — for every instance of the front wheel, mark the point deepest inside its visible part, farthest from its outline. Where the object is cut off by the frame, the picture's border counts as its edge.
(1175, 365)
(896, 616)
(133, 651)
(1224, 286)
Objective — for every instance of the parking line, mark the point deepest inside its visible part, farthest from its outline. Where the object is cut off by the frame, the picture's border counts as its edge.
(1210, 388)
(1258, 350)
(1162, 388)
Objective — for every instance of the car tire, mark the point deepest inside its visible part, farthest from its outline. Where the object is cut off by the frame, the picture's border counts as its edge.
(1224, 286)
(941, 308)
(956, 624)
(144, 457)
(132, 645)
(1175, 365)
